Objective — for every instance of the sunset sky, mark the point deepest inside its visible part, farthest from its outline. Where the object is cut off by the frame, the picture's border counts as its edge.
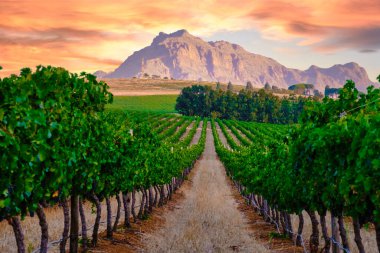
(98, 35)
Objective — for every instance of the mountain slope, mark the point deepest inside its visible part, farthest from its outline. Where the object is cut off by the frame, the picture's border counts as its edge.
(183, 56)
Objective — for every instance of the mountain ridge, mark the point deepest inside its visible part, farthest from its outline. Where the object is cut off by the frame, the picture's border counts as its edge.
(181, 55)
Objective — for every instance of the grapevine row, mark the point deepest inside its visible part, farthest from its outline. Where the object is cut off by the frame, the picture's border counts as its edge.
(330, 162)
(58, 144)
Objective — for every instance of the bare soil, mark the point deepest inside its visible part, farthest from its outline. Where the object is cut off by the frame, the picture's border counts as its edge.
(197, 134)
(141, 86)
(221, 135)
(212, 217)
(188, 128)
(243, 135)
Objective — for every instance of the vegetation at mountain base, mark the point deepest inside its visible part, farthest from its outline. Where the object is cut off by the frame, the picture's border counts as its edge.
(246, 105)
(301, 86)
(331, 91)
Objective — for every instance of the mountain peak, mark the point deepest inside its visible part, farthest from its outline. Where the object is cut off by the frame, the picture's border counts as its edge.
(351, 65)
(180, 33)
(162, 36)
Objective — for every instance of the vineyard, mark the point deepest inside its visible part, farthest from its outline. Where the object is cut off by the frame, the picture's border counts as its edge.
(327, 164)
(60, 146)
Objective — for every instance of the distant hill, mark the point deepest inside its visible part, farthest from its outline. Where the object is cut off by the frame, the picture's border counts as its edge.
(181, 55)
(100, 74)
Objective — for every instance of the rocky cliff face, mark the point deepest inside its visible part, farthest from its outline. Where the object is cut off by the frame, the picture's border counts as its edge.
(183, 56)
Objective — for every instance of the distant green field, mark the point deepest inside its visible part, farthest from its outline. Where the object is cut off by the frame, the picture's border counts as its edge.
(154, 103)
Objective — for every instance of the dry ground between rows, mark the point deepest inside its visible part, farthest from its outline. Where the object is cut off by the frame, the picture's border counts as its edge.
(167, 228)
(130, 239)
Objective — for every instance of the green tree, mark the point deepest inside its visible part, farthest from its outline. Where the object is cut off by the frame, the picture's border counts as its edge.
(249, 86)
(246, 105)
(218, 87)
(194, 100)
(327, 88)
(230, 87)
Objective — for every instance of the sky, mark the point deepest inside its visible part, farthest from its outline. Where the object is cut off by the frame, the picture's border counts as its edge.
(88, 35)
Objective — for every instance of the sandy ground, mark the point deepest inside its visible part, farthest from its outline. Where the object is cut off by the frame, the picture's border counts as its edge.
(54, 217)
(208, 220)
(197, 134)
(368, 235)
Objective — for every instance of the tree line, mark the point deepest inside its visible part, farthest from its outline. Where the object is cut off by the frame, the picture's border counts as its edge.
(245, 105)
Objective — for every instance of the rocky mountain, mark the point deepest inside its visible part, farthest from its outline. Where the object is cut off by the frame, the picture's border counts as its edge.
(181, 55)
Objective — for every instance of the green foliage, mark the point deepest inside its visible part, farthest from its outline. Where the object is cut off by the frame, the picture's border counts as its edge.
(56, 141)
(218, 86)
(330, 161)
(301, 86)
(337, 139)
(331, 91)
(247, 105)
(46, 132)
(249, 86)
(230, 87)
(194, 100)
(273, 235)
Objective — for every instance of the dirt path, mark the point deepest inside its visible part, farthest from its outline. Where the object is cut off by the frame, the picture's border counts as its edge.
(243, 135)
(221, 135)
(198, 134)
(188, 128)
(233, 136)
(208, 218)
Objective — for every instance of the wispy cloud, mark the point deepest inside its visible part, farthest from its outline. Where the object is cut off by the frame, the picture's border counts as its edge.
(365, 40)
(323, 25)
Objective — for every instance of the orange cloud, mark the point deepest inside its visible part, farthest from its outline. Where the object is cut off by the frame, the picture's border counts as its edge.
(90, 35)
(324, 25)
